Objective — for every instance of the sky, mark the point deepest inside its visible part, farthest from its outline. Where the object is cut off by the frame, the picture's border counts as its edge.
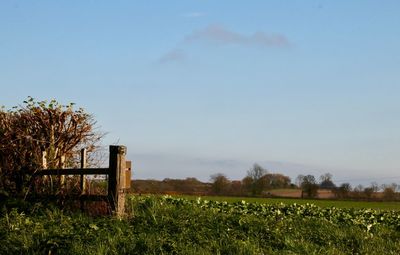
(194, 88)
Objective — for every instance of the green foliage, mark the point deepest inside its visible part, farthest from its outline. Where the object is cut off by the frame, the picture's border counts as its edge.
(167, 225)
(347, 204)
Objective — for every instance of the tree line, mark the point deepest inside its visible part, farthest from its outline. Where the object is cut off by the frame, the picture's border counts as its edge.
(257, 181)
(262, 183)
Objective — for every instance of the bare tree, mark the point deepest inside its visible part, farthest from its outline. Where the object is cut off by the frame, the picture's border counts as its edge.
(255, 176)
(325, 177)
(299, 180)
(256, 172)
(326, 181)
(374, 186)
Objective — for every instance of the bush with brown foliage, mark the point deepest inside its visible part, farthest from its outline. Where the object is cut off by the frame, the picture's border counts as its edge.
(38, 133)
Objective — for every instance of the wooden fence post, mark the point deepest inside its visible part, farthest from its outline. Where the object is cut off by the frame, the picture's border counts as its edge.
(82, 179)
(83, 165)
(116, 176)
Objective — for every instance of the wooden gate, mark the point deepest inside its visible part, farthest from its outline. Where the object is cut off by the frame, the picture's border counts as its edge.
(118, 172)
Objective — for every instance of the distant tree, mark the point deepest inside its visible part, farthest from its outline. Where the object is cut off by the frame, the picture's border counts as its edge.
(255, 175)
(358, 191)
(189, 185)
(368, 191)
(346, 188)
(247, 184)
(325, 177)
(220, 183)
(374, 186)
(262, 184)
(256, 172)
(308, 185)
(389, 191)
(236, 188)
(358, 188)
(299, 180)
(343, 190)
(326, 181)
(277, 181)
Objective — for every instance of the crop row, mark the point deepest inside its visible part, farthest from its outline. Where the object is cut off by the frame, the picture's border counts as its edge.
(365, 218)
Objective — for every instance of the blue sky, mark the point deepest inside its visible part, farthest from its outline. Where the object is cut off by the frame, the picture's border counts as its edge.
(199, 87)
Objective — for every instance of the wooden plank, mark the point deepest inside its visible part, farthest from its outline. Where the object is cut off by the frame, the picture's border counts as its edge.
(73, 197)
(73, 171)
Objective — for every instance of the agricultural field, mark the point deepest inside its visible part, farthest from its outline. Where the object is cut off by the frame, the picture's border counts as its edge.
(319, 202)
(171, 225)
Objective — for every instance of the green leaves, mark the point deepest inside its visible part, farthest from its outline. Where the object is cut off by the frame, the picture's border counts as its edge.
(94, 226)
(366, 219)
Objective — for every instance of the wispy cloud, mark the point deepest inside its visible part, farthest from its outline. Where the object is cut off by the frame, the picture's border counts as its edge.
(219, 34)
(223, 36)
(175, 55)
(194, 14)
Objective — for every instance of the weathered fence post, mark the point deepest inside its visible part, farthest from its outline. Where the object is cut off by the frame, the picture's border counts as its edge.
(116, 177)
(83, 165)
(82, 179)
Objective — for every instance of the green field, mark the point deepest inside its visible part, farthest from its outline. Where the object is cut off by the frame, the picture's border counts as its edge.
(318, 202)
(170, 225)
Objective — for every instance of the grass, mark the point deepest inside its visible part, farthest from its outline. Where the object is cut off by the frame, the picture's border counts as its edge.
(160, 225)
(319, 202)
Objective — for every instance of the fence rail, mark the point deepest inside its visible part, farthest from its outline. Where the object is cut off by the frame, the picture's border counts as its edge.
(73, 171)
(87, 197)
(119, 171)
